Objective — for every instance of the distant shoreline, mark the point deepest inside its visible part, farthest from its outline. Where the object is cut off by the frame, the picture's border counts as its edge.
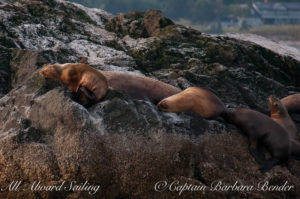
(284, 34)
(294, 44)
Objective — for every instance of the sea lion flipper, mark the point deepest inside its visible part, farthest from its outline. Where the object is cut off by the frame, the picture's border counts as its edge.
(258, 155)
(88, 93)
(73, 87)
(269, 164)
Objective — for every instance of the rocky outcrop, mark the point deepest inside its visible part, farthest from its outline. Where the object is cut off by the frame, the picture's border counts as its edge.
(138, 24)
(124, 145)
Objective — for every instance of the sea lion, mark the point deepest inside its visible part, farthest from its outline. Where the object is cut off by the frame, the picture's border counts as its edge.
(263, 132)
(292, 103)
(280, 115)
(138, 87)
(78, 76)
(198, 100)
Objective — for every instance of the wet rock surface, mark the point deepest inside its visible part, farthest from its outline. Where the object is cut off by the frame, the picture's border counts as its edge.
(122, 144)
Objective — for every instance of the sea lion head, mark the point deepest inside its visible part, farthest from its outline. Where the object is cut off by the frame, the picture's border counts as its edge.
(53, 71)
(175, 103)
(276, 107)
(68, 73)
(61, 71)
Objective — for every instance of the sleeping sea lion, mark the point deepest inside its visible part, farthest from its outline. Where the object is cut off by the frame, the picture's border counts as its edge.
(198, 100)
(78, 76)
(95, 83)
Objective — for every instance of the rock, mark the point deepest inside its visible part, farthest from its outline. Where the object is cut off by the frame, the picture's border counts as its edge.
(5, 72)
(27, 60)
(154, 21)
(138, 24)
(124, 145)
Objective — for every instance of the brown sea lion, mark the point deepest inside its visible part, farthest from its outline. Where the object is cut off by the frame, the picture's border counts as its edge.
(139, 87)
(92, 81)
(263, 132)
(280, 115)
(198, 100)
(292, 103)
(78, 76)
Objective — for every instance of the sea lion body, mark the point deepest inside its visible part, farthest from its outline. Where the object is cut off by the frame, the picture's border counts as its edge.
(139, 87)
(279, 114)
(198, 100)
(262, 131)
(95, 83)
(292, 103)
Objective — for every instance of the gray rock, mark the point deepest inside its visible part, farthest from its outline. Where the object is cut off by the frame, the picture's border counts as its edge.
(124, 145)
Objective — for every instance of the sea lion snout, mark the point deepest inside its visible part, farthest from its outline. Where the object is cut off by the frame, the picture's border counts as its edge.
(273, 101)
(43, 70)
(162, 105)
(50, 71)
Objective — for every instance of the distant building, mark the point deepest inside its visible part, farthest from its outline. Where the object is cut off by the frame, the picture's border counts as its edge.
(277, 13)
(230, 21)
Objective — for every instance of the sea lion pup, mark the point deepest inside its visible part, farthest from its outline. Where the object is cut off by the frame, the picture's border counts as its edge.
(198, 100)
(262, 132)
(280, 115)
(95, 83)
(292, 103)
(90, 81)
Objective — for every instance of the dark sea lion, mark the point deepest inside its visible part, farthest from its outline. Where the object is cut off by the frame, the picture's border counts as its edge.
(262, 132)
(198, 100)
(280, 115)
